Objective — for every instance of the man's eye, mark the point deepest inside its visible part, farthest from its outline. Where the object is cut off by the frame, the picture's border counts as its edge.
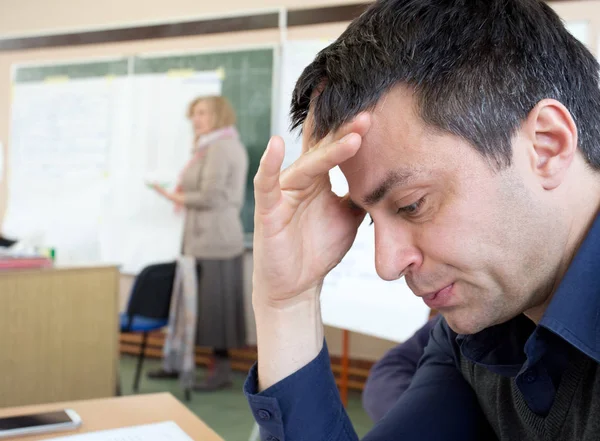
(412, 209)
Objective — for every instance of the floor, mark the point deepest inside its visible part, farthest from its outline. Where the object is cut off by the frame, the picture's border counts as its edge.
(226, 412)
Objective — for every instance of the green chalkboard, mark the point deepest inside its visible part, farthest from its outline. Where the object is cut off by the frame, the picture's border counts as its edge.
(248, 84)
(29, 74)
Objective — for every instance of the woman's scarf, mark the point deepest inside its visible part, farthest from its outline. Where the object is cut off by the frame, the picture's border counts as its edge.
(199, 151)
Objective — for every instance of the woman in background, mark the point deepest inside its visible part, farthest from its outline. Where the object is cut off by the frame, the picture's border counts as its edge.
(211, 190)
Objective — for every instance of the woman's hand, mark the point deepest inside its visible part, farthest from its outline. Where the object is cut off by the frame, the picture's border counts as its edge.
(157, 187)
(176, 197)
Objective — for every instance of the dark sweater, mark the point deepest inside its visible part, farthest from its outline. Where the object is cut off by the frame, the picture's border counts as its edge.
(574, 416)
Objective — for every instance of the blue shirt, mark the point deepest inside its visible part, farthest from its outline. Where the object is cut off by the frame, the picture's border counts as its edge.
(439, 404)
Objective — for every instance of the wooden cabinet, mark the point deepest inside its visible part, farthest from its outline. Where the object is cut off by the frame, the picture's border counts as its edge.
(58, 334)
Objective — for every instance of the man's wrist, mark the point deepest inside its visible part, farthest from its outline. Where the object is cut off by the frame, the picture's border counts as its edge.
(262, 299)
(289, 334)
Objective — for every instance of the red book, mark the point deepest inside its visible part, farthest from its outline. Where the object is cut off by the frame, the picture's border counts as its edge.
(24, 262)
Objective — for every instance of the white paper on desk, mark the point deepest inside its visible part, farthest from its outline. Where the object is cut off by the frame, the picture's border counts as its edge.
(167, 431)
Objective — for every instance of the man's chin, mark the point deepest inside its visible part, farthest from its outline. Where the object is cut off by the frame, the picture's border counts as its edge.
(469, 322)
(464, 324)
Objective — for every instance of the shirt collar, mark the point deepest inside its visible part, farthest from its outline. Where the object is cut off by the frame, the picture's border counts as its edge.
(573, 315)
(574, 312)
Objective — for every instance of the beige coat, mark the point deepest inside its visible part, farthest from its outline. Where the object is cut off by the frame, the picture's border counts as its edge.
(214, 189)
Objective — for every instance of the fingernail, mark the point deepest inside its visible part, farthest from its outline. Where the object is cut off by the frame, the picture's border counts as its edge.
(345, 138)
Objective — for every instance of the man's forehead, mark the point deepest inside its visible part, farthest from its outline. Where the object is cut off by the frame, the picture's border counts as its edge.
(396, 107)
(390, 157)
(383, 149)
(377, 169)
(366, 191)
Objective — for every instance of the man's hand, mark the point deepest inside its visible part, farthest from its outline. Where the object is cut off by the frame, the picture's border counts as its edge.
(302, 231)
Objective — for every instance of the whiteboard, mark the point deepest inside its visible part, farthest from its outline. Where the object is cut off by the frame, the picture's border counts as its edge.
(82, 153)
(353, 296)
(60, 142)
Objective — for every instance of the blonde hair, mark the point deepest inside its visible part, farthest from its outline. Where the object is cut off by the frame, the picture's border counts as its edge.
(222, 108)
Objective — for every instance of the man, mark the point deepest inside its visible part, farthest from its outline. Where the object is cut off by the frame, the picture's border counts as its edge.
(469, 132)
(391, 375)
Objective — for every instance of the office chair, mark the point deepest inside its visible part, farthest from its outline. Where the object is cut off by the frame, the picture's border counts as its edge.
(148, 306)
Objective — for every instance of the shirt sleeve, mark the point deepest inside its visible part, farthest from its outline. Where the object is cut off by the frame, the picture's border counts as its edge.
(213, 182)
(438, 405)
(390, 377)
(304, 406)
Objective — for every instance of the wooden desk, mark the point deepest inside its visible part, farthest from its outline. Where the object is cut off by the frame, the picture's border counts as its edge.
(115, 413)
(58, 334)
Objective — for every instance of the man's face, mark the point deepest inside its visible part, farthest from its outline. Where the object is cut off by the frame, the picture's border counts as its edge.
(479, 245)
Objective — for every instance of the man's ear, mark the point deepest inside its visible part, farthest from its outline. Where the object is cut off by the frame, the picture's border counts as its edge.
(553, 135)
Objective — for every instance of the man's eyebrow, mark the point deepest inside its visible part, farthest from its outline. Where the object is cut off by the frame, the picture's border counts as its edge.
(393, 179)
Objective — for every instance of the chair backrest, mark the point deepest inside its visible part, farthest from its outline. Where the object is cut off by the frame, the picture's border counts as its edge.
(151, 293)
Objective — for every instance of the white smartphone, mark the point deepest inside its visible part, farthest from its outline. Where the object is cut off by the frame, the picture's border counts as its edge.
(20, 425)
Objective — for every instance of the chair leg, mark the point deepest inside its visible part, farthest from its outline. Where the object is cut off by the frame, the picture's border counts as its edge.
(138, 371)
(118, 391)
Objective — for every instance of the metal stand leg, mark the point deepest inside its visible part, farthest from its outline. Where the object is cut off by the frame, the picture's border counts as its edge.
(138, 371)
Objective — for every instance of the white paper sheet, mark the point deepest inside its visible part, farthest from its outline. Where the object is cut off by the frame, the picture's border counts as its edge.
(167, 431)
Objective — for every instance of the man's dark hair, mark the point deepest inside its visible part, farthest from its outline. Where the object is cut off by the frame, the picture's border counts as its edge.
(477, 67)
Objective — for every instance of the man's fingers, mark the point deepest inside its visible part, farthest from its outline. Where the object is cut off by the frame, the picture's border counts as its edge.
(333, 150)
(357, 212)
(267, 192)
(317, 162)
(360, 124)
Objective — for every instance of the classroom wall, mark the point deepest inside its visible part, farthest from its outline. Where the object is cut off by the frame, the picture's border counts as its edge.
(24, 17)
(16, 18)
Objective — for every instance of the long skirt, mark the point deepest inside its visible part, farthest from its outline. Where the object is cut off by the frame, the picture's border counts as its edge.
(221, 321)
